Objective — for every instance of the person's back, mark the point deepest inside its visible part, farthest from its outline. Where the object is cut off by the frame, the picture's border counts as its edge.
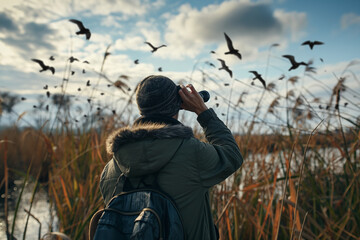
(158, 146)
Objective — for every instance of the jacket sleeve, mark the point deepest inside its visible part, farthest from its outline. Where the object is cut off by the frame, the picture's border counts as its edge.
(221, 156)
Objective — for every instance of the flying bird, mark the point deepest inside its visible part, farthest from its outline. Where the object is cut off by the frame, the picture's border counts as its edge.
(258, 76)
(46, 87)
(311, 44)
(210, 64)
(223, 66)
(88, 83)
(136, 61)
(43, 66)
(231, 48)
(52, 58)
(72, 59)
(86, 62)
(154, 49)
(294, 64)
(160, 69)
(82, 29)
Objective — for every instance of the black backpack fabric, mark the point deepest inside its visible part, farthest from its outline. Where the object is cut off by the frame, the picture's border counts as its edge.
(145, 213)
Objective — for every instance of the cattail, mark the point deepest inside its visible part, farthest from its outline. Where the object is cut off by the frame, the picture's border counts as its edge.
(271, 86)
(290, 94)
(241, 98)
(294, 79)
(126, 77)
(309, 115)
(273, 104)
(316, 100)
(121, 85)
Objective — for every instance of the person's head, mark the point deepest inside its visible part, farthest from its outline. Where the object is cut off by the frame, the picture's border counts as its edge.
(158, 95)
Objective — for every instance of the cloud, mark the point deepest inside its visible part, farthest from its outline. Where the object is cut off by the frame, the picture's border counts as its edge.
(61, 8)
(141, 32)
(30, 37)
(249, 24)
(6, 23)
(293, 23)
(350, 19)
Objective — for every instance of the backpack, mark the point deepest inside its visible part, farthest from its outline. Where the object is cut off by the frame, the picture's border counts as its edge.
(143, 213)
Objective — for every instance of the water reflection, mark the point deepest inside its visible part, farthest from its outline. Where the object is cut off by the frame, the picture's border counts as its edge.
(41, 209)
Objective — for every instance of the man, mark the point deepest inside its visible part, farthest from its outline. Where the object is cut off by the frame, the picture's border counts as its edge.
(159, 145)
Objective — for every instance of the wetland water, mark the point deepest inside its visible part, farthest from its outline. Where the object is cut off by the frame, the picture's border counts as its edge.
(41, 209)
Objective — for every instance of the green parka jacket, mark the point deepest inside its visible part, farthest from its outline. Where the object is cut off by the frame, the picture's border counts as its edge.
(185, 167)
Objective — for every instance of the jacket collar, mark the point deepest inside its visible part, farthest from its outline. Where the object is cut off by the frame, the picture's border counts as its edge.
(147, 128)
(156, 119)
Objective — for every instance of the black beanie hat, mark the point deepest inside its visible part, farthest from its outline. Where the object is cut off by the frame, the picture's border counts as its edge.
(158, 95)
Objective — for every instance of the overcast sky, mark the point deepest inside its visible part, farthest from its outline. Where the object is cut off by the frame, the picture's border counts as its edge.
(190, 30)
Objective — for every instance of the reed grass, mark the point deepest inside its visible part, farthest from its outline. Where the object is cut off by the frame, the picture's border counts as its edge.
(261, 201)
(293, 185)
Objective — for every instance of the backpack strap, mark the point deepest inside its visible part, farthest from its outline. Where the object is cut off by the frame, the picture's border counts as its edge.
(94, 223)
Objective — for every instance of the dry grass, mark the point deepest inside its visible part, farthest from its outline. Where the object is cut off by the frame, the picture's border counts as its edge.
(292, 185)
(261, 201)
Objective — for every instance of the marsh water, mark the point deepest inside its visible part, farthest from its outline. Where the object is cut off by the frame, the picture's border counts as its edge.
(41, 209)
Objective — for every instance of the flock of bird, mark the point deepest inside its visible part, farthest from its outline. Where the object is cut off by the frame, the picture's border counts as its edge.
(231, 51)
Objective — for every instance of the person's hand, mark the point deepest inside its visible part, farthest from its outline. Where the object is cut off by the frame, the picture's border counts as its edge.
(192, 101)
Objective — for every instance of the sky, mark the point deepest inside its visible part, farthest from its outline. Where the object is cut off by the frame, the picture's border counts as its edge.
(262, 31)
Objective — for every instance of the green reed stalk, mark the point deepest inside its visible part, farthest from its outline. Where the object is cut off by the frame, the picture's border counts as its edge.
(300, 178)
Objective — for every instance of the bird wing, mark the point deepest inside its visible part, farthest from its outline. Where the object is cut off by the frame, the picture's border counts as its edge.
(229, 42)
(229, 71)
(238, 55)
(78, 23)
(222, 62)
(318, 43)
(52, 69)
(150, 45)
(290, 57)
(41, 63)
(262, 81)
(306, 43)
(88, 34)
(254, 72)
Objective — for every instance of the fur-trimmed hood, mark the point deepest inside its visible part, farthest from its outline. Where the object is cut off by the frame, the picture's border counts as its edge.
(145, 148)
